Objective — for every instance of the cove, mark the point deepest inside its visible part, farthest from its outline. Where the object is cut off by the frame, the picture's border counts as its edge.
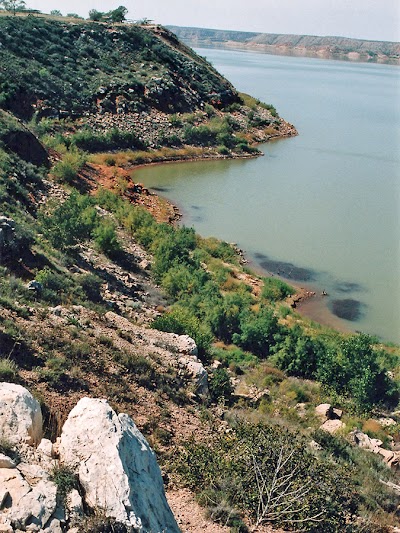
(323, 208)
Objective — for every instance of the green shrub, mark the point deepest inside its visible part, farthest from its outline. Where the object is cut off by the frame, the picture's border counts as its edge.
(268, 473)
(67, 169)
(352, 368)
(275, 289)
(69, 223)
(260, 332)
(54, 284)
(183, 322)
(8, 370)
(106, 239)
(114, 139)
(220, 386)
(65, 479)
(91, 286)
(299, 355)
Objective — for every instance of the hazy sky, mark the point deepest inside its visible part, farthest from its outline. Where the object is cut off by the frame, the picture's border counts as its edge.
(365, 19)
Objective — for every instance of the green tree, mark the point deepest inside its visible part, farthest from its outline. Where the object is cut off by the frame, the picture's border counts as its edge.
(118, 15)
(354, 369)
(260, 332)
(96, 15)
(56, 13)
(13, 5)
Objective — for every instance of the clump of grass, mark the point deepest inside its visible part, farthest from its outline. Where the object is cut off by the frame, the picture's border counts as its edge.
(8, 370)
(65, 479)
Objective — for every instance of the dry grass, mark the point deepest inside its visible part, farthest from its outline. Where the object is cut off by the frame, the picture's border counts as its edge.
(130, 158)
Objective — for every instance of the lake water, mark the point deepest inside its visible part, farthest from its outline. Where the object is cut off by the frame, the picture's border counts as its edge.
(322, 208)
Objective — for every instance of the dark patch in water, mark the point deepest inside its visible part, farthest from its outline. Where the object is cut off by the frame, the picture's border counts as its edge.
(348, 309)
(196, 207)
(198, 218)
(160, 189)
(285, 270)
(259, 256)
(348, 286)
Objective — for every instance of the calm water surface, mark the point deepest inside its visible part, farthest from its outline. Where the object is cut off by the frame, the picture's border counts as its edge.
(323, 207)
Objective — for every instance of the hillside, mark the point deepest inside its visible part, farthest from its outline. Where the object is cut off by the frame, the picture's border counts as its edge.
(299, 45)
(140, 84)
(259, 418)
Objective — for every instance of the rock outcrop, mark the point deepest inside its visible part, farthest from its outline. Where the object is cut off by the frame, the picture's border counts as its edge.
(179, 351)
(117, 472)
(20, 415)
(116, 467)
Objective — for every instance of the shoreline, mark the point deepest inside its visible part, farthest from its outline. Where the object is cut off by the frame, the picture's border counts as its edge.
(308, 300)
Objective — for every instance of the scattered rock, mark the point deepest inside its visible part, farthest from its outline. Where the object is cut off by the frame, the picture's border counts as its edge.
(199, 373)
(20, 415)
(325, 410)
(8, 239)
(391, 458)
(74, 506)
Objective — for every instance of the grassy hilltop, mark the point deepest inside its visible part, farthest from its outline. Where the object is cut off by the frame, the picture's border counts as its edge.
(80, 104)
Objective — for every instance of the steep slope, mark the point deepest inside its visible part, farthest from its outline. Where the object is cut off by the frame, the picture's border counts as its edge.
(61, 69)
(328, 47)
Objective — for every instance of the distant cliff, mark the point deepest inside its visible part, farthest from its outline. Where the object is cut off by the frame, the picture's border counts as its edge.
(296, 45)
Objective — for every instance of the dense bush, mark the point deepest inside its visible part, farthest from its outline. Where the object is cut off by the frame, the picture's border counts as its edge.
(353, 369)
(275, 289)
(260, 332)
(66, 170)
(183, 322)
(268, 473)
(71, 222)
(114, 139)
(106, 239)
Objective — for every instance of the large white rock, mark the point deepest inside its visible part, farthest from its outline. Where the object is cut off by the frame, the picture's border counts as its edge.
(116, 466)
(20, 415)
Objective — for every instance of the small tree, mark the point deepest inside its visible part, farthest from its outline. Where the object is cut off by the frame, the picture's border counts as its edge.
(117, 15)
(95, 15)
(56, 13)
(13, 5)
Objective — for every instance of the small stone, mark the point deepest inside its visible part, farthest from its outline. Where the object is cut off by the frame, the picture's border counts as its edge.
(336, 413)
(315, 446)
(6, 462)
(46, 447)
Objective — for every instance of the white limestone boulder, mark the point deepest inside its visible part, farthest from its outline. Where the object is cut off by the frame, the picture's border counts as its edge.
(116, 467)
(332, 426)
(20, 415)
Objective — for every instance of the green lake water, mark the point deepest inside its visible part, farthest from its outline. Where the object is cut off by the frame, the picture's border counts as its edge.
(322, 208)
